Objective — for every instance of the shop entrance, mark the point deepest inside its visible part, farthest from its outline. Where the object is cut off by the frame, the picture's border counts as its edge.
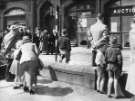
(78, 18)
(120, 15)
(47, 19)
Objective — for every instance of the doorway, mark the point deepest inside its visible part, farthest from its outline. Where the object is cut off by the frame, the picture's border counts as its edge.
(47, 19)
(79, 16)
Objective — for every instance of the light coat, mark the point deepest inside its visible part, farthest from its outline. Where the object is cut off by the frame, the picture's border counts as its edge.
(96, 31)
(130, 85)
(29, 52)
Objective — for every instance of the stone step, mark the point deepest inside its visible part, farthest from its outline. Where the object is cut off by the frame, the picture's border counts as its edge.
(83, 78)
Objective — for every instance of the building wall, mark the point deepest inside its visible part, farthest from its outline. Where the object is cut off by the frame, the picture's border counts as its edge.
(32, 8)
(11, 5)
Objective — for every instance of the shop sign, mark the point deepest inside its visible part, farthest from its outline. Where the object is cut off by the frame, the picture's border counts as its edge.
(14, 12)
(127, 10)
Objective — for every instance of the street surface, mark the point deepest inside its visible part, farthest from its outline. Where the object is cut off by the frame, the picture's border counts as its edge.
(48, 90)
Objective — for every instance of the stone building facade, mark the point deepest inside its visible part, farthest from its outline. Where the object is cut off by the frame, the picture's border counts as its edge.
(75, 15)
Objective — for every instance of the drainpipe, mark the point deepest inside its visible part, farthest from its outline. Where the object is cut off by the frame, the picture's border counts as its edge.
(121, 23)
(98, 6)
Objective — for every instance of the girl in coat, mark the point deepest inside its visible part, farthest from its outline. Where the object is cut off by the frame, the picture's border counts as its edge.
(15, 66)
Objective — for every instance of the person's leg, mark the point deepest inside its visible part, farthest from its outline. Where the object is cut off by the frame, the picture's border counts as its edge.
(98, 79)
(32, 75)
(17, 82)
(25, 84)
(115, 85)
(88, 44)
(110, 82)
(23, 76)
(93, 57)
(61, 57)
(28, 80)
(102, 84)
(67, 55)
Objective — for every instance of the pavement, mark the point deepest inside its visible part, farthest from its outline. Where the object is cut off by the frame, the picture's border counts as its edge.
(48, 90)
(81, 57)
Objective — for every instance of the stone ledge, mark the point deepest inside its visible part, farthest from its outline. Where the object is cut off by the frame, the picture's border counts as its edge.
(83, 76)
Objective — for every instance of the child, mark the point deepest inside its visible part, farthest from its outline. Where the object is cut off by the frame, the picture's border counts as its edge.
(100, 62)
(15, 66)
(64, 46)
(113, 58)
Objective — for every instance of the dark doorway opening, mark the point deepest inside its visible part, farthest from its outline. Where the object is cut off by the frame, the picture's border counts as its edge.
(47, 20)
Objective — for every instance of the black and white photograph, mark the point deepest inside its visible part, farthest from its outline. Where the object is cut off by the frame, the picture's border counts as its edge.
(67, 50)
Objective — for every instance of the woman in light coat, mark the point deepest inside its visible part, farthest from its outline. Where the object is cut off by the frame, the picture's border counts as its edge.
(29, 63)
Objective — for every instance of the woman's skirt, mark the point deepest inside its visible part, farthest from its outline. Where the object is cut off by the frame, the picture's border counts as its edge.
(14, 69)
(31, 67)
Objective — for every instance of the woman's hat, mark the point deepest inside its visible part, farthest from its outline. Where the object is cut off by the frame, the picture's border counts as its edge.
(12, 27)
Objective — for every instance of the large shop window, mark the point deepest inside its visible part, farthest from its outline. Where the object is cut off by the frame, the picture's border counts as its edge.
(126, 26)
(81, 17)
(115, 28)
(120, 21)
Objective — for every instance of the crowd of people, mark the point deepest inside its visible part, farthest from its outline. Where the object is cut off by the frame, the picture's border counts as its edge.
(27, 45)
(44, 39)
(22, 48)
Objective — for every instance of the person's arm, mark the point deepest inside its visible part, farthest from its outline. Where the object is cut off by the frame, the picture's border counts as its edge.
(18, 54)
(36, 50)
(69, 45)
(89, 34)
(120, 60)
(98, 59)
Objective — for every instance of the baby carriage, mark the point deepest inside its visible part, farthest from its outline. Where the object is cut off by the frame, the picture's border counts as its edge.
(5, 63)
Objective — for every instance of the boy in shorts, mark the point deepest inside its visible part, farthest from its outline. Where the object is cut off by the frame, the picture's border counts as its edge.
(113, 57)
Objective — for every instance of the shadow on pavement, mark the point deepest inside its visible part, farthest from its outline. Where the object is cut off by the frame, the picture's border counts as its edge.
(53, 91)
(44, 81)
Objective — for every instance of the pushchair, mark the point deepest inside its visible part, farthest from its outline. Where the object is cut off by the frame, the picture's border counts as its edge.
(5, 64)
